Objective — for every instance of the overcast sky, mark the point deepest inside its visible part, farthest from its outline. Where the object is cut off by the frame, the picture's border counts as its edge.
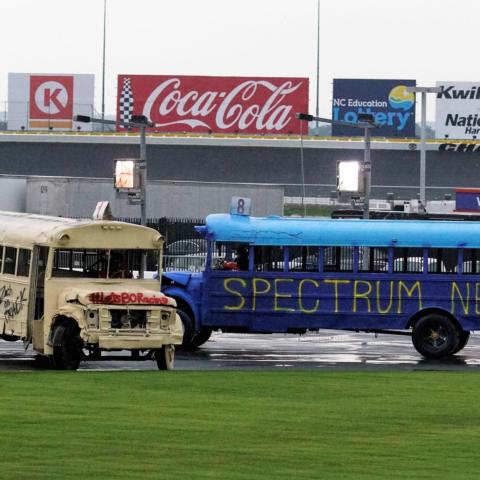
(413, 39)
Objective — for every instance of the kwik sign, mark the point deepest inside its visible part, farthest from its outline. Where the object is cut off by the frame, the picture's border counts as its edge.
(214, 104)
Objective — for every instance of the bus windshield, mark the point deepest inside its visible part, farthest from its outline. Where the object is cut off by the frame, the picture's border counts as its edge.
(102, 263)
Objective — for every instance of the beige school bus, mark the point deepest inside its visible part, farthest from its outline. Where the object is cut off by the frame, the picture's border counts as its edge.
(72, 289)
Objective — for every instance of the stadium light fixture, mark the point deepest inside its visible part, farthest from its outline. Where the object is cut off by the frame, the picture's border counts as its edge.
(349, 176)
(367, 122)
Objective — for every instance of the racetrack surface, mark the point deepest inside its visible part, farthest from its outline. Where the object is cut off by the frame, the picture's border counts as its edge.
(327, 350)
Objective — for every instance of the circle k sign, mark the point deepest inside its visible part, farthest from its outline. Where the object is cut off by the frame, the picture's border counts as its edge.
(51, 97)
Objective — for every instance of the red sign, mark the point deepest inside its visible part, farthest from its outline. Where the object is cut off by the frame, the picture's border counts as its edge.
(51, 101)
(214, 104)
(126, 298)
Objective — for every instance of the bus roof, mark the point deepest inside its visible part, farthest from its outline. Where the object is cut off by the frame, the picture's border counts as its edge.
(25, 230)
(279, 231)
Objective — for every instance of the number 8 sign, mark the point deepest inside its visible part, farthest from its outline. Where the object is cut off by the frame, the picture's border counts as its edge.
(240, 206)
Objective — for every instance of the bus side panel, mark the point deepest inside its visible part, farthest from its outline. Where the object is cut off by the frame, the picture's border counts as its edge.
(13, 306)
(278, 302)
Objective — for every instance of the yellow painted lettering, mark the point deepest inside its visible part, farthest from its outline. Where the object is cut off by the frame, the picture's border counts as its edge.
(279, 295)
(403, 287)
(227, 288)
(316, 304)
(336, 283)
(463, 301)
(357, 294)
(256, 291)
(379, 296)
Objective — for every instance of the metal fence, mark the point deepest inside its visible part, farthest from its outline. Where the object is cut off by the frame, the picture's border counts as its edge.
(183, 249)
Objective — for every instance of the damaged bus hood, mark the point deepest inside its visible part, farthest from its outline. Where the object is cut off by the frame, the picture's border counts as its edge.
(125, 295)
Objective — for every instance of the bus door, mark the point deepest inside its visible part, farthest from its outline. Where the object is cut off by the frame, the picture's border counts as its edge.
(37, 296)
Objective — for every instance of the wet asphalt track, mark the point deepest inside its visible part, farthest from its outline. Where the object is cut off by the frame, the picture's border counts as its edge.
(328, 350)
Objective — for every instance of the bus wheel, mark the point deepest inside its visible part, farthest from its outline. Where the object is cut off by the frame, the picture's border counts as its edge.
(165, 357)
(43, 362)
(201, 337)
(435, 336)
(188, 329)
(67, 348)
(464, 337)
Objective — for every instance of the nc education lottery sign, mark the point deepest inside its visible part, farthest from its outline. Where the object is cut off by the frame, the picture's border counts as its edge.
(48, 102)
(392, 107)
(457, 113)
(214, 104)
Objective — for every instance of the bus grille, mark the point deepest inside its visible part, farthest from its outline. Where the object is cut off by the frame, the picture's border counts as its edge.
(128, 319)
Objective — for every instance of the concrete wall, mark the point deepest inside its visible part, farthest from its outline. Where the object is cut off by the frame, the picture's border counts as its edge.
(395, 165)
(77, 197)
(13, 193)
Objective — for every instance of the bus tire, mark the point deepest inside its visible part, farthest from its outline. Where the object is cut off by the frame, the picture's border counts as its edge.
(165, 357)
(188, 329)
(464, 337)
(67, 348)
(435, 336)
(43, 362)
(201, 337)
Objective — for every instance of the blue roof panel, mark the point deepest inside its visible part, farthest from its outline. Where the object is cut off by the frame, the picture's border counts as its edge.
(326, 232)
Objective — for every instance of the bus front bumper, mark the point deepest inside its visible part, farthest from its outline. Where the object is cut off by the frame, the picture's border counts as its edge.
(117, 342)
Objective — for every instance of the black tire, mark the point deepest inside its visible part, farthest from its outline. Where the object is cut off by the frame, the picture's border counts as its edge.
(464, 337)
(67, 348)
(43, 362)
(188, 329)
(435, 336)
(9, 338)
(201, 337)
(165, 357)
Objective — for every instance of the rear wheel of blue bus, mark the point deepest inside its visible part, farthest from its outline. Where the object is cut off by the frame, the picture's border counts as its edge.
(464, 337)
(436, 336)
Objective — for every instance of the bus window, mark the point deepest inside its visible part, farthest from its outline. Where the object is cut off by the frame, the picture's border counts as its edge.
(268, 259)
(408, 260)
(100, 263)
(230, 256)
(10, 260)
(338, 259)
(372, 259)
(303, 259)
(442, 260)
(23, 267)
(471, 261)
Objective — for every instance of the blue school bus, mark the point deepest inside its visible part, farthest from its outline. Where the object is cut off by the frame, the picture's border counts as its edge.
(410, 277)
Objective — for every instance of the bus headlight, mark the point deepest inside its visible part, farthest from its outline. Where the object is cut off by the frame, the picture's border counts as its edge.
(92, 318)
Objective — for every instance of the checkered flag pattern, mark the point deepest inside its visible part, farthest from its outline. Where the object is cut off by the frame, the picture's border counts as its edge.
(126, 101)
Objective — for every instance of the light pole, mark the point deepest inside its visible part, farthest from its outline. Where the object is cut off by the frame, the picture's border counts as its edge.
(318, 60)
(366, 122)
(103, 60)
(141, 122)
(423, 125)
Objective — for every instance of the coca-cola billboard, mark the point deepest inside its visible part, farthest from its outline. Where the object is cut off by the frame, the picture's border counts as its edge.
(214, 104)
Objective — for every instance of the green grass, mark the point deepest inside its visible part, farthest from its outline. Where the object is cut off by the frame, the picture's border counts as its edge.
(239, 425)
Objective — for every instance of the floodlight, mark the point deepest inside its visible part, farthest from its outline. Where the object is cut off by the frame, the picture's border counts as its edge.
(349, 176)
(125, 176)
